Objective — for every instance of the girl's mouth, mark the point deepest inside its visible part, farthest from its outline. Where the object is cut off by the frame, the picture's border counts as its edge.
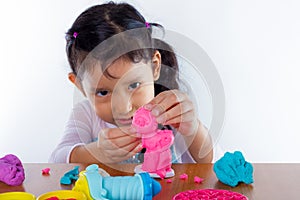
(123, 121)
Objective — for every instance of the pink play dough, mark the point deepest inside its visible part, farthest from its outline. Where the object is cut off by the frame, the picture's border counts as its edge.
(209, 194)
(158, 157)
(183, 176)
(198, 179)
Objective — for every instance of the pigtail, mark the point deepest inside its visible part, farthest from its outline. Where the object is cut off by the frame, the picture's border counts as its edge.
(169, 68)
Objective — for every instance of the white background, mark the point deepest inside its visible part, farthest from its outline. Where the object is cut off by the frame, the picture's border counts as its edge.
(255, 46)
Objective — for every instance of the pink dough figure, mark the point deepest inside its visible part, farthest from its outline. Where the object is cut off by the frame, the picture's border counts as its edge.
(158, 156)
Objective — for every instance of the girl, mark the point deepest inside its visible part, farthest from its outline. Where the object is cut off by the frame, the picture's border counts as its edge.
(119, 67)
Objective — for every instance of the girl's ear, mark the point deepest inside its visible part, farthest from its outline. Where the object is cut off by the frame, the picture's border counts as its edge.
(73, 78)
(156, 64)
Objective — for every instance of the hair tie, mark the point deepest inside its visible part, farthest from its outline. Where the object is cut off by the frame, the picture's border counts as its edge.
(147, 24)
(75, 34)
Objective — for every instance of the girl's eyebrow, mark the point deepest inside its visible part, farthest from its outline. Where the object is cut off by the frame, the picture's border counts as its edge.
(135, 78)
(98, 89)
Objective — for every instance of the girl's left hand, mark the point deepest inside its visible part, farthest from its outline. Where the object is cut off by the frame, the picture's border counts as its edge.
(174, 108)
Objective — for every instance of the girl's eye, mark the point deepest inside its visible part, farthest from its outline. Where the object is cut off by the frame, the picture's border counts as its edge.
(102, 93)
(134, 85)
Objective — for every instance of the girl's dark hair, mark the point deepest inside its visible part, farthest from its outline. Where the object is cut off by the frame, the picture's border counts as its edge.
(101, 22)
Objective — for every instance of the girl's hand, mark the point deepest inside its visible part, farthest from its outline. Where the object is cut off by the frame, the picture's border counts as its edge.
(116, 144)
(174, 107)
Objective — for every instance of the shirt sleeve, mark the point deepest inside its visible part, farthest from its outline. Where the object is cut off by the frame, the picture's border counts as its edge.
(181, 149)
(78, 131)
(183, 154)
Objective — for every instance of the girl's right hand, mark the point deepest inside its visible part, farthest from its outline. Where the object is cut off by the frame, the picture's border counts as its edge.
(116, 144)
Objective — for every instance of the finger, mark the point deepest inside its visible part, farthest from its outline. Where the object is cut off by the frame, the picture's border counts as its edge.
(116, 159)
(129, 130)
(118, 154)
(137, 145)
(116, 143)
(138, 148)
(113, 133)
(185, 117)
(175, 111)
(171, 100)
(127, 151)
(124, 141)
(156, 100)
(159, 98)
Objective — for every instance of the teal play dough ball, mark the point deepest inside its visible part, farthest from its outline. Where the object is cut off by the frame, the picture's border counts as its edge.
(232, 169)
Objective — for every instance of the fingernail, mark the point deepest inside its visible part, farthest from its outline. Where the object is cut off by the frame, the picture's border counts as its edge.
(155, 112)
(132, 130)
(160, 120)
(138, 135)
(148, 106)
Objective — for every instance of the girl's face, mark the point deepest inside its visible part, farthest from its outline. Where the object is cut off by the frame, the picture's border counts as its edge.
(116, 98)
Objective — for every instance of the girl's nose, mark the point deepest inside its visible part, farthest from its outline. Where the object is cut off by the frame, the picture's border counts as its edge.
(122, 104)
(123, 108)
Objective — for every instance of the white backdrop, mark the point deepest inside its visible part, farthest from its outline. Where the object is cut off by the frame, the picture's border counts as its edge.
(255, 46)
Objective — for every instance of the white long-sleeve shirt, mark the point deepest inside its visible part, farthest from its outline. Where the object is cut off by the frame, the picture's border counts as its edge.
(84, 126)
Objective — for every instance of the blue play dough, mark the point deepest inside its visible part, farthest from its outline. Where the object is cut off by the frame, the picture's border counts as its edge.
(232, 169)
(69, 176)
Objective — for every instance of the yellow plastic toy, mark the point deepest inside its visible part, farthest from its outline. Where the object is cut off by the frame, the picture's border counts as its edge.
(81, 185)
(17, 195)
(63, 194)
